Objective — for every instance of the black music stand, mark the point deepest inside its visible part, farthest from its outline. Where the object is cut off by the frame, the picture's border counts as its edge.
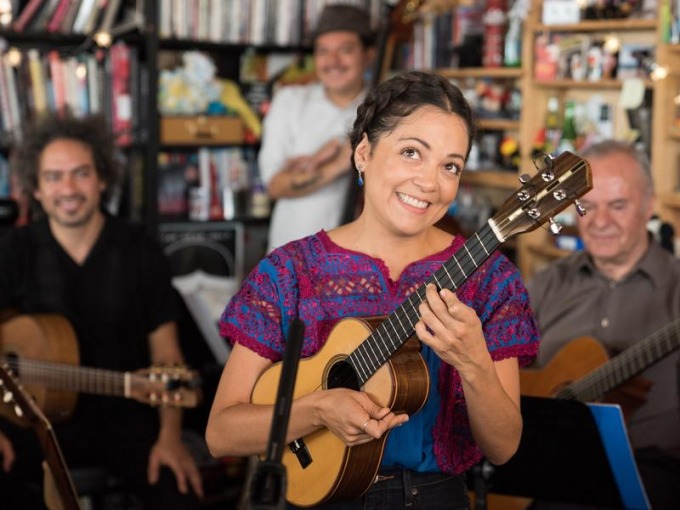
(571, 452)
(267, 488)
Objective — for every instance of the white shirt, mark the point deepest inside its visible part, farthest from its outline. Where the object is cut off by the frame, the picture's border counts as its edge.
(300, 121)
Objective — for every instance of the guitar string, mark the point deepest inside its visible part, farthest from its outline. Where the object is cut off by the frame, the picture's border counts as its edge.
(361, 366)
(615, 374)
(487, 235)
(356, 362)
(629, 357)
(70, 377)
(420, 292)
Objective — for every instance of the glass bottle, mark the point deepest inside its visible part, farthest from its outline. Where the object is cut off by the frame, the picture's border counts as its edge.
(568, 139)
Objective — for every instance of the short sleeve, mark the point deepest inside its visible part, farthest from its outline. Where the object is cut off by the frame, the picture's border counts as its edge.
(507, 319)
(276, 133)
(258, 316)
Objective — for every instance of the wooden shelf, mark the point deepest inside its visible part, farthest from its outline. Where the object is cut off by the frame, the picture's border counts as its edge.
(492, 178)
(499, 124)
(600, 26)
(481, 72)
(211, 46)
(548, 251)
(595, 85)
(671, 199)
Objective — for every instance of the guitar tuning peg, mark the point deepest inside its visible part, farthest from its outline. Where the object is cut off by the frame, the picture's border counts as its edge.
(7, 397)
(18, 411)
(579, 208)
(524, 178)
(555, 227)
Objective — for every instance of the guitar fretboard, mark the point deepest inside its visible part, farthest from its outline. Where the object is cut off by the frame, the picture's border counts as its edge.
(626, 365)
(400, 325)
(61, 376)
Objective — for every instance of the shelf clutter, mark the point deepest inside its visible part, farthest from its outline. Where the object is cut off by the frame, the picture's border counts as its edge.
(541, 77)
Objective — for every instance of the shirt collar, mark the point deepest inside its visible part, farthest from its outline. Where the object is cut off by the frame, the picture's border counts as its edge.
(651, 264)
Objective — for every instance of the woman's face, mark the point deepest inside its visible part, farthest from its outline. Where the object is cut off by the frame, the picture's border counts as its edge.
(412, 173)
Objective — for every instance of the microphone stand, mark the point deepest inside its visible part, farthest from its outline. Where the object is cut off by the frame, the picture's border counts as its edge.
(267, 489)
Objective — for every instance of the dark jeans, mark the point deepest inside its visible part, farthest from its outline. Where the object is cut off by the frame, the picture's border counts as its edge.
(409, 490)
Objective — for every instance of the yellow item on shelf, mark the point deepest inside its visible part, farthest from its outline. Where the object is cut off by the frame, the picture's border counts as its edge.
(232, 98)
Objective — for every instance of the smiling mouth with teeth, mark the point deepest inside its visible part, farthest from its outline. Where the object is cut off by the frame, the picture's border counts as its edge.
(409, 200)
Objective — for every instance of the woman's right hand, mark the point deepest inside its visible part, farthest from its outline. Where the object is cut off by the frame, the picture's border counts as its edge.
(6, 452)
(354, 417)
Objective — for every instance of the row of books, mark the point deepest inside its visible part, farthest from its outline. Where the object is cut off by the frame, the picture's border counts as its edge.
(62, 16)
(255, 22)
(106, 82)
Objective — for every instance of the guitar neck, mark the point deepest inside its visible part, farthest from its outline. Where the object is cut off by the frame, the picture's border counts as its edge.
(61, 376)
(397, 328)
(625, 366)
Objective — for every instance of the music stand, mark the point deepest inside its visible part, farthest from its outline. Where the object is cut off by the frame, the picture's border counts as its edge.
(267, 487)
(574, 453)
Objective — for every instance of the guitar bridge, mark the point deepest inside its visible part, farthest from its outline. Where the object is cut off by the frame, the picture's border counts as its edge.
(299, 448)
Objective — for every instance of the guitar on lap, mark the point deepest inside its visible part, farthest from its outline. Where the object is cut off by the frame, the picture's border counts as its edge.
(42, 350)
(381, 356)
(582, 370)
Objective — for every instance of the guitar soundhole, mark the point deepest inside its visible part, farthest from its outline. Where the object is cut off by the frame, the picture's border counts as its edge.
(342, 375)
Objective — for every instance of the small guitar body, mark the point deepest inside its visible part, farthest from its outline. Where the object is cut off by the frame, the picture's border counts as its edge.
(43, 337)
(337, 472)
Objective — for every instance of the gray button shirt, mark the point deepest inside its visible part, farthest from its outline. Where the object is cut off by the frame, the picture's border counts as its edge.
(572, 299)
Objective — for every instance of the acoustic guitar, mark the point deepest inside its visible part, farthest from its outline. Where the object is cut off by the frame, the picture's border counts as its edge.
(60, 493)
(42, 350)
(381, 356)
(582, 370)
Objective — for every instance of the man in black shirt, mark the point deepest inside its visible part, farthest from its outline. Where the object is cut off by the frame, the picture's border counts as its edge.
(113, 284)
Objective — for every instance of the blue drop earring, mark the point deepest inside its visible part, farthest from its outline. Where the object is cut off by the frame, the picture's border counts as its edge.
(360, 179)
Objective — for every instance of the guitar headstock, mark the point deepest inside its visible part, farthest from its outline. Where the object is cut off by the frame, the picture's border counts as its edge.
(556, 186)
(13, 393)
(168, 386)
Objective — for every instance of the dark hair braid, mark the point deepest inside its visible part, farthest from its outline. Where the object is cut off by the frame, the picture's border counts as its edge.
(399, 97)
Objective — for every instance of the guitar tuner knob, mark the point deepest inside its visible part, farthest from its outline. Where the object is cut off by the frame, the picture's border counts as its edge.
(18, 411)
(524, 178)
(523, 195)
(555, 227)
(7, 397)
(579, 208)
(560, 194)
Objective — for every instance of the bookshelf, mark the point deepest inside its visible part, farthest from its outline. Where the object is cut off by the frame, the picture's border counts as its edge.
(538, 248)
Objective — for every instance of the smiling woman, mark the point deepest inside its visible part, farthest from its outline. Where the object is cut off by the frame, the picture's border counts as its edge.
(410, 141)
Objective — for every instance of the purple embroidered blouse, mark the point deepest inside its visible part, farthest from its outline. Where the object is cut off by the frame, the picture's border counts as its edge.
(320, 282)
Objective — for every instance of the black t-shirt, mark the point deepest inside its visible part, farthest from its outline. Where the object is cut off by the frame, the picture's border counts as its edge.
(120, 294)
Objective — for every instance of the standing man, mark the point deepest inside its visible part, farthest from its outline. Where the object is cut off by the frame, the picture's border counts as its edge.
(304, 160)
(621, 289)
(113, 284)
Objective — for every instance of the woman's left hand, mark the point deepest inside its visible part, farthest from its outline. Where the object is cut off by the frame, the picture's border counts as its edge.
(453, 330)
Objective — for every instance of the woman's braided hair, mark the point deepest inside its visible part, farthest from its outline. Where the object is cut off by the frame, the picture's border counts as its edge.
(399, 97)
